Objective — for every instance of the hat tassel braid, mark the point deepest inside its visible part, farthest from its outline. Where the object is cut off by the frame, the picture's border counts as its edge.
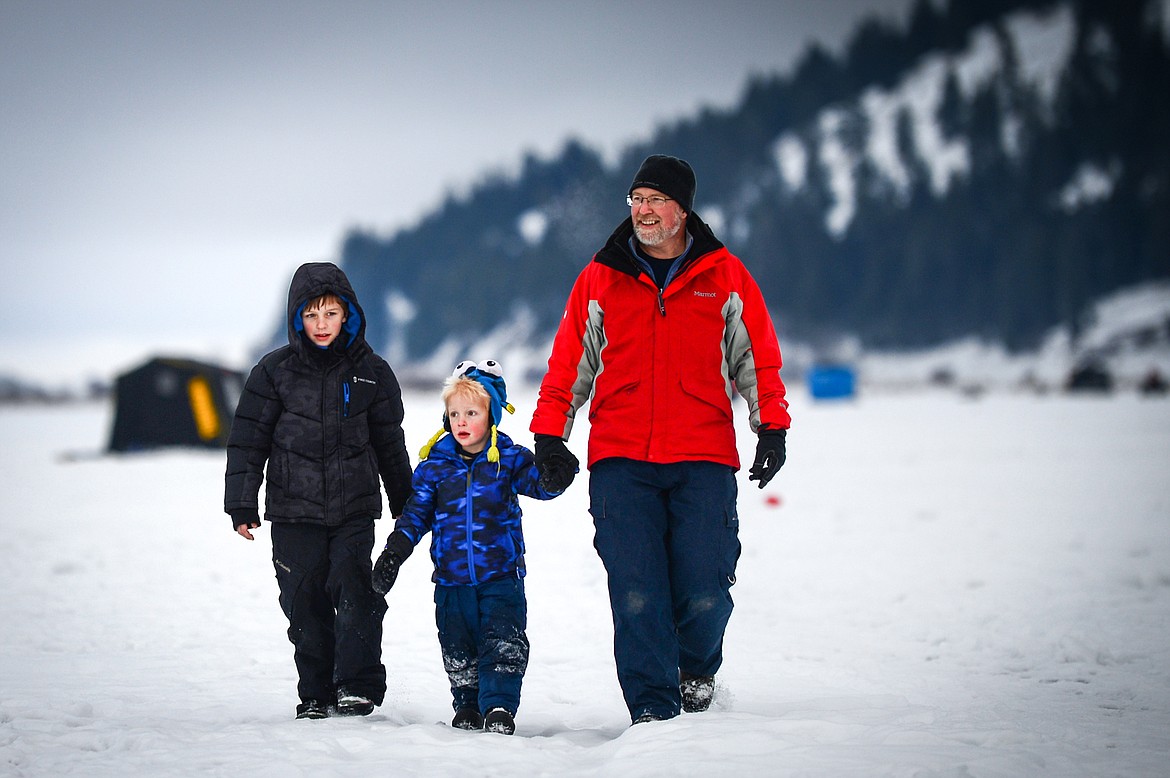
(426, 450)
(493, 451)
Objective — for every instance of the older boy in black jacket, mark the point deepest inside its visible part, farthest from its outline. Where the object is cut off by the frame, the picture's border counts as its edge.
(325, 414)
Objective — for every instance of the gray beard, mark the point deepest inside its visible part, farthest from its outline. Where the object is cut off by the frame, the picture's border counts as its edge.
(655, 235)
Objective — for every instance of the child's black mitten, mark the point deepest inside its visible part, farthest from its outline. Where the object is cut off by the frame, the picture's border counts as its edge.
(398, 548)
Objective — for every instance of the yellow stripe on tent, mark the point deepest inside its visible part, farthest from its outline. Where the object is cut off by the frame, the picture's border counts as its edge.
(203, 408)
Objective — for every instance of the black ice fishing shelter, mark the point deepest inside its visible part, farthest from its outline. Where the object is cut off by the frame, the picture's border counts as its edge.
(174, 402)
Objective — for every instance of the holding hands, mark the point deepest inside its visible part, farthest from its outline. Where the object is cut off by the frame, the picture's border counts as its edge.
(556, 463)
(398, 548)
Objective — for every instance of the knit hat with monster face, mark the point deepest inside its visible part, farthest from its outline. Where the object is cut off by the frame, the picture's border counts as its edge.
(490, 375)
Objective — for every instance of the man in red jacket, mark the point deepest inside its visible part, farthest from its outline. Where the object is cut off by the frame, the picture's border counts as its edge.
(659, 329)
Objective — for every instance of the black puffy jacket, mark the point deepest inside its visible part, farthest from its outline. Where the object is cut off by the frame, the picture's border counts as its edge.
(328, 422)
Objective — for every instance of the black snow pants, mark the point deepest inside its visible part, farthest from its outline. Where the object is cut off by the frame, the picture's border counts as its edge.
(334, 614)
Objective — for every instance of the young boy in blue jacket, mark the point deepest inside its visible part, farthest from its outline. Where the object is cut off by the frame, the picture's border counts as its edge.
(465, 492)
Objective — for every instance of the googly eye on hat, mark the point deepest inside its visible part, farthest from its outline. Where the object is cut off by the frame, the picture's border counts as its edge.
(491, 367)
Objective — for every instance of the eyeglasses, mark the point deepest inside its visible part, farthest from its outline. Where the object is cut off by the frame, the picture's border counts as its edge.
(654, 201)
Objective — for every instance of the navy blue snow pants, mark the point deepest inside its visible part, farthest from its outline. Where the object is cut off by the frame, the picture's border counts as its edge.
(668, 535)
(485, 650)
(334, 614)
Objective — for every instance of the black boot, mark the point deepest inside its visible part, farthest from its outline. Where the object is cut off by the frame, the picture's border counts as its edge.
(350, 704)
(696, 691)
(467, 718)
(500, 721)
(312, 709)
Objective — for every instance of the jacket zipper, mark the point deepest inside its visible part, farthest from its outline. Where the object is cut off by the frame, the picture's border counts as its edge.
(467, 527)
(325, 422)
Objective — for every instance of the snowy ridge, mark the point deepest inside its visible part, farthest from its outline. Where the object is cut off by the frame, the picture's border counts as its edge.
(1029, 59)
(1128, 333)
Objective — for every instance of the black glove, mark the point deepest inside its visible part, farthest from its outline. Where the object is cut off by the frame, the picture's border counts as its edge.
(398, 548)
(769, 456)
(556, 463)
(245, 516)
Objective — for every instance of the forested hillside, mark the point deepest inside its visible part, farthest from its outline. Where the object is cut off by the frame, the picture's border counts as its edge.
(988, 169)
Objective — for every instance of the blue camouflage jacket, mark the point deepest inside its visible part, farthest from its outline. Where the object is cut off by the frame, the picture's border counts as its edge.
(472, 511)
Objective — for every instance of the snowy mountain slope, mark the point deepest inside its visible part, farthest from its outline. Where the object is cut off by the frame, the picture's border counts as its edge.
(1128, 333)
(991, 190)
(1028, 60)
(977, 174)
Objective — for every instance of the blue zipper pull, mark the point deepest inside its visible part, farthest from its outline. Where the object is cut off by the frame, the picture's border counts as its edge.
(345, 396)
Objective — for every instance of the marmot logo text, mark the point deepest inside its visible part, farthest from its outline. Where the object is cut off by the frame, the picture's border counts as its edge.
(704, 294)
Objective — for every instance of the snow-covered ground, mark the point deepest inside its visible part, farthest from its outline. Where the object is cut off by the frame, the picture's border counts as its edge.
(947, 587)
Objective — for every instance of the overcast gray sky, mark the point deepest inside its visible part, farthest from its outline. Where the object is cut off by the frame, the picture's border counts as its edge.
(167, 165)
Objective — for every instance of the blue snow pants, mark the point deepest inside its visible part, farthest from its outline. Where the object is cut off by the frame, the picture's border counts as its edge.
(668, 535)
(485, 649)
(334, 614)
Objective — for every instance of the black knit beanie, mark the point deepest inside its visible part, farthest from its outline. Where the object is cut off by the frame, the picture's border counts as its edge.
(671, 176)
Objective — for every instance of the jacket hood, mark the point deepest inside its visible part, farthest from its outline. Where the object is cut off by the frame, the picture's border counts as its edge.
(312, 280)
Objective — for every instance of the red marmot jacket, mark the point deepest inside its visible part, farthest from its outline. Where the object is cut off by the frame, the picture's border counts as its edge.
(659, 371)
